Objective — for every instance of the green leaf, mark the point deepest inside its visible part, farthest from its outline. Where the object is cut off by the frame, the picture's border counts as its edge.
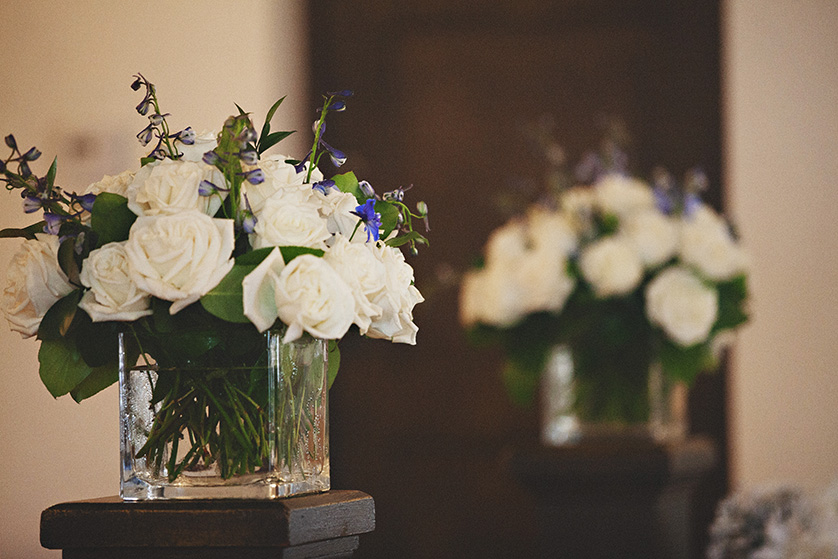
(62, 368)
(267, 142)
(732, 297)
(242, 112)
(685, 363)
(146, 160)
(266, 128)
(290, 253)
(58, 319)
(406, 238)
(51, 174)
(334, 361)
(521, 383)
(348, 182)
(99, 379)
(225, 299)
(254, 257)
(26, 232)
(389, 217)
(67, 260)
(111, 219)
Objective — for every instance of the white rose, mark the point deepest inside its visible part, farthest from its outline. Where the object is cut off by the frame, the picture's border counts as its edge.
(310, 296)
(259, 291)
(113, 293)
(280, 178)
(116, 184)
(281, 223)
(396, 300)
(179, 258)
(653, 234)
(681, 304)
(336, 208)
(365, 275)
(491, 296)
(507, 243)
(577, 204)
(621, 195)
(550, 231)
(545, 279)
(34, 282)
(707, 244)
(169, 187)
(611, 266)
(204, 142)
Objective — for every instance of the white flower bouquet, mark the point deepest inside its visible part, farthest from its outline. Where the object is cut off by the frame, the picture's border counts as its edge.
(209, 244)
(622, 272)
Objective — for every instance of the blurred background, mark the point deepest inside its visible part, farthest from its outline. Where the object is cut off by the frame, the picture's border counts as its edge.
(444, 93)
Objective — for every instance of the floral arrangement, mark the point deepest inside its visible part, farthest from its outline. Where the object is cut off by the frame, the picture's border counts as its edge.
(205, 247)
(623, 272)
(781, 523)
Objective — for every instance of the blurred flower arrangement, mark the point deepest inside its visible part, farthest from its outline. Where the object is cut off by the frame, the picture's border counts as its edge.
(624, 273)
(205, 247)
(783, 523)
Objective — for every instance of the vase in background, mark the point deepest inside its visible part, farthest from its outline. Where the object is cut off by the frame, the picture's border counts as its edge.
(254, 432)
(630, 402)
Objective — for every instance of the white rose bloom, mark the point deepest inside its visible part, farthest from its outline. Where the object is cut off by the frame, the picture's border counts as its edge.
(169, 187)
(707, 244)
(365, 275)
(653, 234)
(545, 281)
(681, 304)
(310, 296)
(281, 223)
(181, 257)
(577, 204)
(34, 282)
(491, 296)
(550, 231)
(396, 300)
(336, 208)
(280, 178)
(621, 195)
(116, 184)
(507, 243)
(259, 291)
(113, 294)
(611, 266)
(204, 142)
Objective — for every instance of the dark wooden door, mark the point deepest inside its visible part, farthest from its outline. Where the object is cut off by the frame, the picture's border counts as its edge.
(443, 90)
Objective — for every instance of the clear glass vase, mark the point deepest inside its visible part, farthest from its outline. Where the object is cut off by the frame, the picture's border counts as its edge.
(257, 432)
(644, 404)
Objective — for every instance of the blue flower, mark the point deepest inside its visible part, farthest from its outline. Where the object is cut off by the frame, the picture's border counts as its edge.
(370, 218)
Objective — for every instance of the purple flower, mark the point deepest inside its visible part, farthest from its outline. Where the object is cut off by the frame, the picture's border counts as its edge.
(85, 201)
(338, 157)
(366, 189)
(249, 157)
(370, 218)
(212, 158)
(31, 204)
(256, 176)
(324, 186)
(53, 223)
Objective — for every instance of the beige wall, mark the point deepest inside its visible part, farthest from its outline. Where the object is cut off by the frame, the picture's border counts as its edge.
(781, 122)
(64, 86)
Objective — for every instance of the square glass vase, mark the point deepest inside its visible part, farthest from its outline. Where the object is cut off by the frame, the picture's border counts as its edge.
(256, 432)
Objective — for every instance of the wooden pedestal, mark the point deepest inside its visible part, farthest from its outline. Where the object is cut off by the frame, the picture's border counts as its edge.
(324, 525)
(615, 498)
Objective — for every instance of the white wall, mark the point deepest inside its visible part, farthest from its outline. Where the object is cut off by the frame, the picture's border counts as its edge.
(781, 120)
(64, 86)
